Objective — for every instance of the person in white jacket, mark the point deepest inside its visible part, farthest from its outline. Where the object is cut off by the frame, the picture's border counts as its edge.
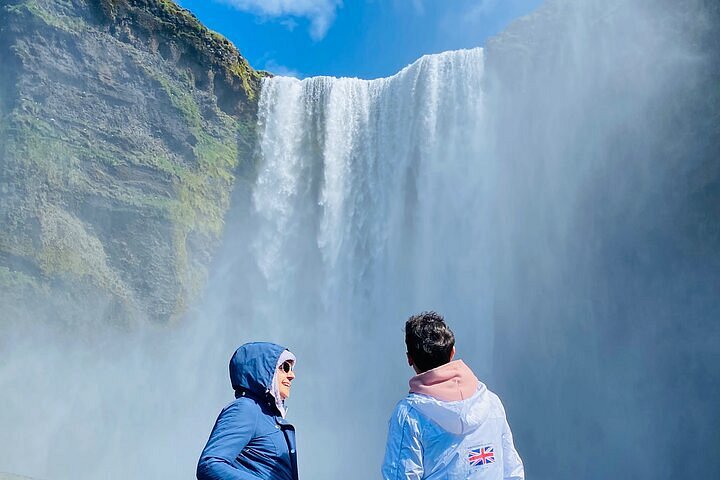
(450, 426)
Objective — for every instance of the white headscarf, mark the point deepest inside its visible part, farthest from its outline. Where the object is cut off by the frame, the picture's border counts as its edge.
(275, 391)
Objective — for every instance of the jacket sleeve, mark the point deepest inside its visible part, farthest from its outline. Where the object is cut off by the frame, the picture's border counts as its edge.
(233, 430)
(403, 452)
(512, 464)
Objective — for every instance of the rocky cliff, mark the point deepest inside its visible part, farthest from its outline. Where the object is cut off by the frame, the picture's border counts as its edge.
(123, 126)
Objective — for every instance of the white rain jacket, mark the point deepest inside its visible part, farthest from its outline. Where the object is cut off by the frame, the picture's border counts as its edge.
(438, 438)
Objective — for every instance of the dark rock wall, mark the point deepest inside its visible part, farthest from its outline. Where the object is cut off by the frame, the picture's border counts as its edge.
(607, 347)
(123, 126)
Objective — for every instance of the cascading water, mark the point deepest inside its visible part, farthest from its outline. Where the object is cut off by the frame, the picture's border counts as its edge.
(368, 186)
(373, 201)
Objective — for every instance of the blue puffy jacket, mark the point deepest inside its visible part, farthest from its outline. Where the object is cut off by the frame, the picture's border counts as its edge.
(250, 440)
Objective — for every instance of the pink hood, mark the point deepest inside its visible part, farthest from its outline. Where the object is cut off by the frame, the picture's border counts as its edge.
(449, 383)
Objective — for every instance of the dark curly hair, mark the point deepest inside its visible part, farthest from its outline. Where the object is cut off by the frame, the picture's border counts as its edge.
(429, 340)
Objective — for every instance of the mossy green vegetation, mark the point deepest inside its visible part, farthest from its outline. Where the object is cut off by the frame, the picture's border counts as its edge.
(214, 41)
(211, 48)
(54, 13)
(204, 184)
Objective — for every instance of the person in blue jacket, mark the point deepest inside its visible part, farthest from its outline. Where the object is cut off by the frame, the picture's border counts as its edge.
(251, 439)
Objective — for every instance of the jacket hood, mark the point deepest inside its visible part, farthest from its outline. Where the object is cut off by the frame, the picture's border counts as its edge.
(452, 397)
(450, 382)
(252, 367)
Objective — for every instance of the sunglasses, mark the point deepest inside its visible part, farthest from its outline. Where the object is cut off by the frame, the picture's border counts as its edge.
(287, 366)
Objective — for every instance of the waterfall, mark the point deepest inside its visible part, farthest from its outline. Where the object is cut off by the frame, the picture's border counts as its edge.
(373, 201)
(373, 189)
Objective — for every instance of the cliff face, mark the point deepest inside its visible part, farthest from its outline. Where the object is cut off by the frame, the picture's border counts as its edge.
(122, 127)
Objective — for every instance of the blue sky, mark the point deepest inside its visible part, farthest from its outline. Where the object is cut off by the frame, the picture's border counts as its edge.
(353, 38)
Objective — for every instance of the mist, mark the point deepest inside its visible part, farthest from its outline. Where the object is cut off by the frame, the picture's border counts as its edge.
(555, 195)
(607, 308)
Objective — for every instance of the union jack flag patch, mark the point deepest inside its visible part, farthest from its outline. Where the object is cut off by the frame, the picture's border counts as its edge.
(481, 456)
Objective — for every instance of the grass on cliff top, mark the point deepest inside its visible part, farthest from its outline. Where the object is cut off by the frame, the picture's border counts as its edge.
(178, 23)
(209, 42)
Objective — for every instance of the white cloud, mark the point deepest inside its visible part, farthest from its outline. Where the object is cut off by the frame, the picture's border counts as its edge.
(481, 8)
(321, 13)
(289, 23)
